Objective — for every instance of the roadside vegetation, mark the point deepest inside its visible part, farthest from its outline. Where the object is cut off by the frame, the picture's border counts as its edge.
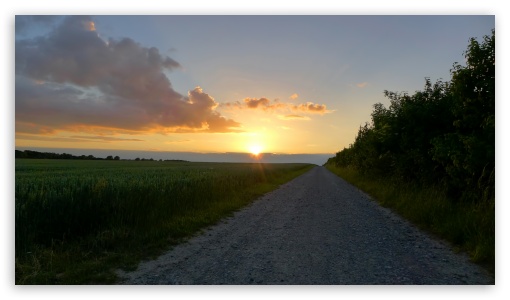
(431, 155)
(77, 220)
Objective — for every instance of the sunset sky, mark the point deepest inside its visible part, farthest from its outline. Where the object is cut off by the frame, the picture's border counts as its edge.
(280, 84)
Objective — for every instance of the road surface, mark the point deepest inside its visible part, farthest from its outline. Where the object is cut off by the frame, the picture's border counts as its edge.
(316, 229)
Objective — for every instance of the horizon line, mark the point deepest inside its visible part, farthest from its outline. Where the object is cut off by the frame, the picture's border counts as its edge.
(170, 151)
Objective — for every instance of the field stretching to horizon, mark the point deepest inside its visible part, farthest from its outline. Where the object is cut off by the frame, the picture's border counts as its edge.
(76, 221)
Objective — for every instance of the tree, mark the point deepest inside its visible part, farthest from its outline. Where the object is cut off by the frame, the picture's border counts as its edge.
(468, 152)
(444, 134)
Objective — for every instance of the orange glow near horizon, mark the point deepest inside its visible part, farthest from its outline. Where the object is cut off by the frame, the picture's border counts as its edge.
(278, 136)
(262, 133)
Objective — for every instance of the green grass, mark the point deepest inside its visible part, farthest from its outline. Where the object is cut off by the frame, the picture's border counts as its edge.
(78, 221)
(469, 227)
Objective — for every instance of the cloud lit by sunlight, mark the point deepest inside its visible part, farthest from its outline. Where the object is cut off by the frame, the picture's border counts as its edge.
(90, 26)
(266, 105)
(71, 78)
(294, 117)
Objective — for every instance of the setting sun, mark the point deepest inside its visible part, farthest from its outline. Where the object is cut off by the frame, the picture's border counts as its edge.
(255, 149)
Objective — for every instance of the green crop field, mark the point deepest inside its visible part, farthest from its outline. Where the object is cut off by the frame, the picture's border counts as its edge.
(78, 220)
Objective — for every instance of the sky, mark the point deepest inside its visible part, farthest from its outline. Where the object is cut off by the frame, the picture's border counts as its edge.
(290, 84)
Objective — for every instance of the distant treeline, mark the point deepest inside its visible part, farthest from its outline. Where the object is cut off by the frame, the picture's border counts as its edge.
(50, 155)
(442, 136)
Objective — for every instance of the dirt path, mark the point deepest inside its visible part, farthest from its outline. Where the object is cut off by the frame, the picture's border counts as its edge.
(315, 229)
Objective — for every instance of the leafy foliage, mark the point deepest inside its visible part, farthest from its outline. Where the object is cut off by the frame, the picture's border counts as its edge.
(467, 152)
(443, 135)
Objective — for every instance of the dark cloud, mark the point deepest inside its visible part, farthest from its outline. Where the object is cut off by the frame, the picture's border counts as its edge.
(74, 138)
(104, 138)
(74, 78)
(310, 107)
(255, 103)
(266, 105)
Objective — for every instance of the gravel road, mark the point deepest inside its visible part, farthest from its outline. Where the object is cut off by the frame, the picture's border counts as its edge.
(315, 229)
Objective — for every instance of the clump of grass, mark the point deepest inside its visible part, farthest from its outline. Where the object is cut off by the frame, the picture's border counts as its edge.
(468, 226)
(77, 221)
